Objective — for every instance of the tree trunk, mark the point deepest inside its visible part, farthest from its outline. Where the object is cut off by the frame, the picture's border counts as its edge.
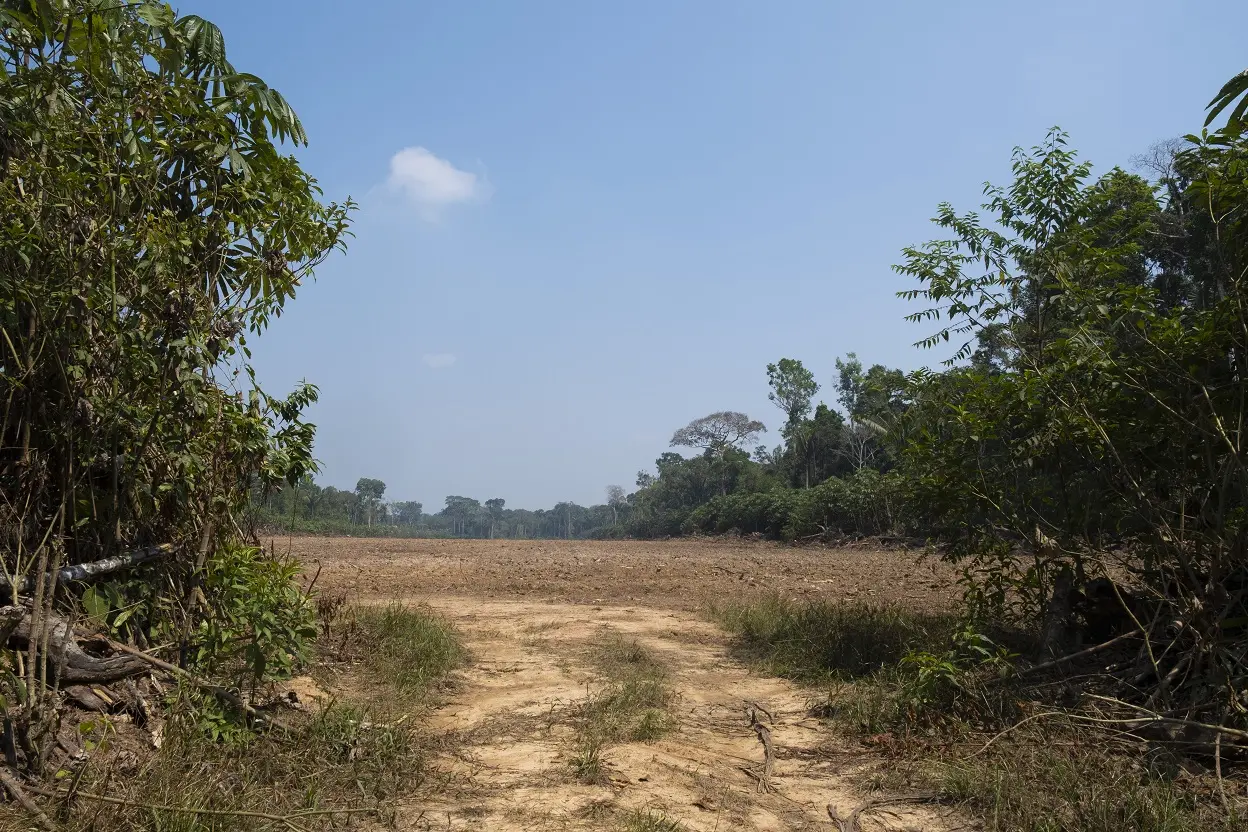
(72, 664)
(85, 571)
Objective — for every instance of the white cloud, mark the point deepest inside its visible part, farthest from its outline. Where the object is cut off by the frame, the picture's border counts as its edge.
(438, 360)
(431, 183)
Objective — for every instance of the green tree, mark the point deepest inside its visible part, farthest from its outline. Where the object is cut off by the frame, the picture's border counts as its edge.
(792, 389)
(409, 513)
(149, 226)
(369, 492)
(494, 508)
(461, 512)
(618, 501)
(873, 401)
(1116, 420)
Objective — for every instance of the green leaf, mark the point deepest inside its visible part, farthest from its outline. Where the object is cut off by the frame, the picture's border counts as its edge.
(123, 617)
(156, 15)
(95, 603)
(48, 18)
(1231, 90)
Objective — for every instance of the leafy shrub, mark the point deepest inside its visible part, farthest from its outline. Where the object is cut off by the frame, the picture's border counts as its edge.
(261, 622)
(864, 503)
(766, 513)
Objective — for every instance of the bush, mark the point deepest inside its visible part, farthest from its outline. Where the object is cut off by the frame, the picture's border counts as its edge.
(864, 503)
(766, 513)
(261, 624)
(822, 640)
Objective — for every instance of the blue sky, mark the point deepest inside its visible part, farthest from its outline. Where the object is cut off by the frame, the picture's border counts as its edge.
(584, 224)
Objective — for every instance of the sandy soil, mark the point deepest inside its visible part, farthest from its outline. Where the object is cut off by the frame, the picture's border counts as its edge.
(529, 613)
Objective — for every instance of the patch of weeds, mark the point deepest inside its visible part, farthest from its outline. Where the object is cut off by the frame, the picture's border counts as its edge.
(587, 763)
(194, 784)
(638, 821)
(817, 641)
(409, 648)
(923, 690)
(344, 758)
(652, 725)
(1066, 779)
(634, 704)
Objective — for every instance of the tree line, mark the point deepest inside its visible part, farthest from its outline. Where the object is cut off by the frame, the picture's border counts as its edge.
(312, 508)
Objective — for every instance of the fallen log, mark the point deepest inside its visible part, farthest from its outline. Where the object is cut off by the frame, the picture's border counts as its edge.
(87, 571)
(72, 664)
(218, 691)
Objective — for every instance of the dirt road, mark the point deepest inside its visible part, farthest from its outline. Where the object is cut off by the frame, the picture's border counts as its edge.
(510, 720)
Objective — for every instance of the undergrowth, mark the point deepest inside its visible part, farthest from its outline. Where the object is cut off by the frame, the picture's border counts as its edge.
(929, 691)
(352, 759)
(820, 641)
(633, 705)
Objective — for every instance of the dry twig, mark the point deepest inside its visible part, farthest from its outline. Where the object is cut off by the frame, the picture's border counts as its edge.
(11, 785)
(850, 823)
(752, 711)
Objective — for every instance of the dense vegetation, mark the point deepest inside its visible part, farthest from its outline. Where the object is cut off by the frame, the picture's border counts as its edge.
(149, 225)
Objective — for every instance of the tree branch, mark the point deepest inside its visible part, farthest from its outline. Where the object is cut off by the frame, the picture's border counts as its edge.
(87, 571)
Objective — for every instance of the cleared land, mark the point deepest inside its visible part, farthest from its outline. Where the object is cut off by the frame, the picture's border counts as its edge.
(535, 616)
(673, 575)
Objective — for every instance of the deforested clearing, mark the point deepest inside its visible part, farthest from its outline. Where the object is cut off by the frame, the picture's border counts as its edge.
(598, 694)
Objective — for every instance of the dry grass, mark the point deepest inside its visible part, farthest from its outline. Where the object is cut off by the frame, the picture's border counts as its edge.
(639, 821)
(329, 768)
(820, 641)
(633, 705)
(1049, 775)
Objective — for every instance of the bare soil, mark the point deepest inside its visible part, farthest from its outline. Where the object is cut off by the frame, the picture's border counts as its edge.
(672, 575)
(530, 611)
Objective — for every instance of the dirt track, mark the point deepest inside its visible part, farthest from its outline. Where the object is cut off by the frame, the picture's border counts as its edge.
(529, 611)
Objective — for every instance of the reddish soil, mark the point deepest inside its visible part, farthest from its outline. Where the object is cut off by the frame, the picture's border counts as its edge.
(673, 575)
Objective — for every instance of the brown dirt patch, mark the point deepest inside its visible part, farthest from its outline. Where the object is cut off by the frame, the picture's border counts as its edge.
(511, 727)
(674, 575)
(530, 611)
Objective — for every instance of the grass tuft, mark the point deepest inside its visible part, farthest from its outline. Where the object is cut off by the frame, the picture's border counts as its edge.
(816, 641)
(409, 648)
(633, 705)
(638, 821)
